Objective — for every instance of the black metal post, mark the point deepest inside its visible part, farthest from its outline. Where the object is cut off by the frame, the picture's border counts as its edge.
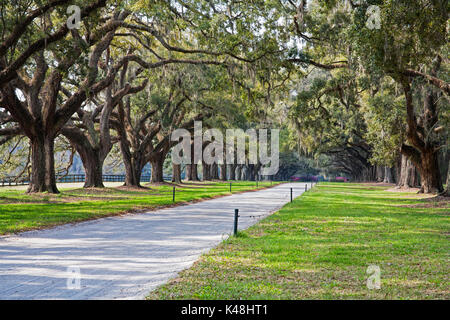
(230, 186)
(236, 216)
(291, 194)
(173, 194)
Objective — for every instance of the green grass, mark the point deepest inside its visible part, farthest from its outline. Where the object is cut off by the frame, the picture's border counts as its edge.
(319, 247)
(20, 211)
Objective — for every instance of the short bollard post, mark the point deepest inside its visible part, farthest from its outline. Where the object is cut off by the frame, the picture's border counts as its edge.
(236, 216)
(230, 186)
(173, 194)
(291, 194)
(306, 187)
(257, 182)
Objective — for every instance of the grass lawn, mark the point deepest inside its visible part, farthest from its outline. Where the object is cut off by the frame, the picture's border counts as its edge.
(20, 211)
(319, 247)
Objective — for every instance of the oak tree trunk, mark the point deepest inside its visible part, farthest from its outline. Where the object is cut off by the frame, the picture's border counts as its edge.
(157, 163)
(398, 170)
(176, 173)
(133, 169)
(380, 174)
(214, 171)
(423, 150)
(232, 171)
(251, 172)
(191, 172)
(43, 165)
(408, 174)
(93, 166)
(238, 172)
(388, 175)
(206, 171)
(243, 173)
(223, 172)
(447, 189)
(430, 175)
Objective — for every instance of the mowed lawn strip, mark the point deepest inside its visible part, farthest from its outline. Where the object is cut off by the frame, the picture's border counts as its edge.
(20, 211)
(320, 246)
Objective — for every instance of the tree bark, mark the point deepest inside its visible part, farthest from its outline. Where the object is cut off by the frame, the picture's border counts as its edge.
(447, 189)
(214, 171)
(206, 171)
(157, 163)
(250, 172)
(37, 183)
(398, 170)
(191, 172)
(191, 169)
(90, 156)
(223, 168)
(244, 171)
(223, 172)
(379, 174)
(232, 171)
(93, 167)
(423, 149)
(238, 172)
(133, 167)
(176, 173)
(388, 178)
(429, 173)
(43, 165)
(408, 174)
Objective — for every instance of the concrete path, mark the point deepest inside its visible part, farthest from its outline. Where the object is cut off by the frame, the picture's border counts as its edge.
(125, 257)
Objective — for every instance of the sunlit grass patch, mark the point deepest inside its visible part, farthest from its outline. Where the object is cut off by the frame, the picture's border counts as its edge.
(319, 247)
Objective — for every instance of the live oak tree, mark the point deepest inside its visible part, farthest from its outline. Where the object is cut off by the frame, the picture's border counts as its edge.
(410, 47)
(145, 122)
(41, 58)
(329, 119)
(386, 130)
(90, 133)
(134, 71)
(30, 92)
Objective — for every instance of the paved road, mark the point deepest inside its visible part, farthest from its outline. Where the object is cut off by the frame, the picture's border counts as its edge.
(125, 257)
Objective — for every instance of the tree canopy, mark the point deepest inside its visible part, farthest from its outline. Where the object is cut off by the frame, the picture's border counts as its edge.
(357, 87)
